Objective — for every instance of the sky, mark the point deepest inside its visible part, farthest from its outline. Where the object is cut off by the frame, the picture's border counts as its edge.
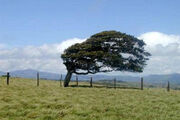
(34, 33)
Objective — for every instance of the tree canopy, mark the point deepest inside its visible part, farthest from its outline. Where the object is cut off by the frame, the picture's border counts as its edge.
(105, 52)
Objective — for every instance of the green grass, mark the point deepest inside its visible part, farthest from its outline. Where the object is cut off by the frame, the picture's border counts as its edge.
(22, 100)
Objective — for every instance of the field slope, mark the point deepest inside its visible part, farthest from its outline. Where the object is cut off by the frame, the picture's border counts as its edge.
(22, 100)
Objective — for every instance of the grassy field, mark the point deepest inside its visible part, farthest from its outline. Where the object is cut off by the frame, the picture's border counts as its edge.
(22, 100)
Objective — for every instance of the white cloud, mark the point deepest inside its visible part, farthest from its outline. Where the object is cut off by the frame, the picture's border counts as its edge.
(65, 44)
(157, 38)
(165, 50)
(45, 57)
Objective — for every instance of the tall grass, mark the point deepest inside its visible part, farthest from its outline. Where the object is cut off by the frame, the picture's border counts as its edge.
(23, 100)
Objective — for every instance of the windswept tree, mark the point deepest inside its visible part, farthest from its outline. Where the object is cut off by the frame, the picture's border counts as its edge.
(105, 52)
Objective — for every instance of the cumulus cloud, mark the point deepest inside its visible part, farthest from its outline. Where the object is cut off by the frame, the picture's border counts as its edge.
(165, 50)
(157, 38)
(45, 57)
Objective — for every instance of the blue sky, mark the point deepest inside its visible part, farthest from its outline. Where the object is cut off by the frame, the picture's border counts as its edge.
(37, 22)
(34, 33)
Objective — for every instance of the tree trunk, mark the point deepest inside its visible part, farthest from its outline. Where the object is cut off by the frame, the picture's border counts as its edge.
(67, 79)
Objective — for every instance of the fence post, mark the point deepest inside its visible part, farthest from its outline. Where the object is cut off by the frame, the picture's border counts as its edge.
(142, 85)
(91, 82)
(37, 78)
(77, 81)
(8, 78)
(114, 83)
(168, 87)
(61, 81)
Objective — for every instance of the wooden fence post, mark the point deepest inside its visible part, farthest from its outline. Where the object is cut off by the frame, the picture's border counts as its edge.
(77, 81)
(37, 78)
(61, 81)
(8, 78)
(91, 82)
(142, 85)
(168, 87)
(114, 83)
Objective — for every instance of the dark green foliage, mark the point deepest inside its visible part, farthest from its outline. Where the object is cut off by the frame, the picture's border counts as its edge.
(105, 52)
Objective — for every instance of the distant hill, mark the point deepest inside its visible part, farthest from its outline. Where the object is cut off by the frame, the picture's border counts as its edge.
(173, 78)
(30, 73)
(152, 79)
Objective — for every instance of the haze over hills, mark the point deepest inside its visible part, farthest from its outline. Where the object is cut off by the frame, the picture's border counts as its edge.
(153, 79)
(2, 73)
(30, 73)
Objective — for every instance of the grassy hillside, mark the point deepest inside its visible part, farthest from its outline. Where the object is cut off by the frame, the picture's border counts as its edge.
(22, 100)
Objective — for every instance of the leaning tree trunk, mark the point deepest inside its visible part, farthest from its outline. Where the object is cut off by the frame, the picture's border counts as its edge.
(67, 79)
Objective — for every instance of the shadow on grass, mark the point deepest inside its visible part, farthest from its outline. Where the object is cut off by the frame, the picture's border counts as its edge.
(109, 87)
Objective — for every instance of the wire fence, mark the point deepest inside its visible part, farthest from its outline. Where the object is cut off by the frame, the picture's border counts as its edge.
(107, 83)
